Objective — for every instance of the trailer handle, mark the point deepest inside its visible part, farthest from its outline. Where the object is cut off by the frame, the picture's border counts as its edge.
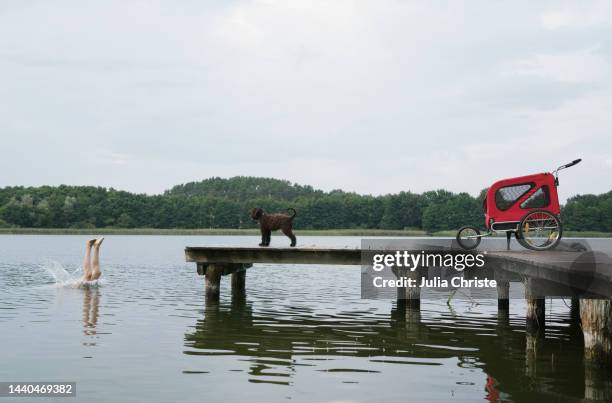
(556, 171)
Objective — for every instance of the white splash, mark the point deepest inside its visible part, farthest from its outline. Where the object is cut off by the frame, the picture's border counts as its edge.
(66, 279)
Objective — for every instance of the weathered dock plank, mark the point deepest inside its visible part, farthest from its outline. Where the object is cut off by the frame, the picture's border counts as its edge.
(552, 263)
(312, 255)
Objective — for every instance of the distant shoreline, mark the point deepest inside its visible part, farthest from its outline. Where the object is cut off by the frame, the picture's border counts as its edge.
(253, 231)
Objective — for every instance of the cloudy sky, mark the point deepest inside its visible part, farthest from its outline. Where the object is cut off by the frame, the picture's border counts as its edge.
(366, 96)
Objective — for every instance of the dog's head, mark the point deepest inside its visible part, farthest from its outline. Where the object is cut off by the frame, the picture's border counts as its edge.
(256, 213)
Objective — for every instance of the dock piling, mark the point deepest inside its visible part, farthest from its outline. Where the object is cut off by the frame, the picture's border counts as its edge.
(413, 294)
(596, 319)
(213, 282)
(535, 314)
(503, 295)
(239, 282)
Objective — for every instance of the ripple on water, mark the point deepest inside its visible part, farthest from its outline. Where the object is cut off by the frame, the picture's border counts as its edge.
(296, 323)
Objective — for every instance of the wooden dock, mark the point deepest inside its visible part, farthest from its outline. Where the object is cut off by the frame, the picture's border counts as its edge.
(310, 255)
(564, 268)
(559, 267)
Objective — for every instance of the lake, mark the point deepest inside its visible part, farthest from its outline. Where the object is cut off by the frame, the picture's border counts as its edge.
(301, 334)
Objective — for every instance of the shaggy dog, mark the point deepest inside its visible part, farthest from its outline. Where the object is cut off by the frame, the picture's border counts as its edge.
(273, 222)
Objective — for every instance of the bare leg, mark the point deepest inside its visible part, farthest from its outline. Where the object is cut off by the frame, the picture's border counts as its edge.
(95, 270)
(86, 264)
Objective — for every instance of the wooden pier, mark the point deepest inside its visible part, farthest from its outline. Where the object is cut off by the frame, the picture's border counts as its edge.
(563, 268)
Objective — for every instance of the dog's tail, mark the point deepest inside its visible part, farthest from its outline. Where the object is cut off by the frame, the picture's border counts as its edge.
(290, 209)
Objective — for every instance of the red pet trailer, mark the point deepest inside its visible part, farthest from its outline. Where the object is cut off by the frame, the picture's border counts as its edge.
(527, 206)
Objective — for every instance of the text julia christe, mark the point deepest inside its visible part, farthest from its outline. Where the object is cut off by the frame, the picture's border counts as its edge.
(435, 282)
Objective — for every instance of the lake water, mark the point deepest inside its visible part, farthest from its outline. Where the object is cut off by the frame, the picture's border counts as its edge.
(302, 333)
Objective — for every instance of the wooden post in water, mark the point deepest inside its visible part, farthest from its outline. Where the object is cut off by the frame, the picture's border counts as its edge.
(413, 294)
(534, 326)
(503, 295)
(503, 303)
(238, 281)
(213, 282)
(239, 285)
(535, 308)
(409, 298)
(596, 318)
(413, 313)
(535, 315)
(400, 272)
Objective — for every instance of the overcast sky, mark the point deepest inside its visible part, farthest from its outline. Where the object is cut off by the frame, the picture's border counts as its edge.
(366, 96)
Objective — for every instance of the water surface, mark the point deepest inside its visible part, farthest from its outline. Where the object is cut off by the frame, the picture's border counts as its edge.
(301, 333)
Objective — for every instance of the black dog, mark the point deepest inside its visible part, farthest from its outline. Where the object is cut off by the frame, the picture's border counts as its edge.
(273, 222)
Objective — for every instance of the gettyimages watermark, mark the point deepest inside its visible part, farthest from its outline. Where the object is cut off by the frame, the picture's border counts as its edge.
(409, 268)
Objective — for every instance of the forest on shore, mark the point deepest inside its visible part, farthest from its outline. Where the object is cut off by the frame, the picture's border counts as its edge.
(226, 203)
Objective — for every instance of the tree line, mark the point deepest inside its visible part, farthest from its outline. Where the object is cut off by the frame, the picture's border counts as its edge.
(226, 203)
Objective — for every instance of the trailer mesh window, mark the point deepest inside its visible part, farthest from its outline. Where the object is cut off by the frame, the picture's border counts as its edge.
(539, 199)
(505, 197)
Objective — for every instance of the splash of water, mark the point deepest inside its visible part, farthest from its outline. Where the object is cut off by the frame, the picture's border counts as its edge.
(66, 279)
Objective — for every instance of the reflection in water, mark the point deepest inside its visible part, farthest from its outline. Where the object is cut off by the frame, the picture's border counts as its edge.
(518, 366)
(91, 302)
(491, 389)
(306, 328)
(597, 384)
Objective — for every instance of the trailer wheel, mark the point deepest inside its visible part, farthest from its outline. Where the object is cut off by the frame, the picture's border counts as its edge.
(468, 237)
(540, 230)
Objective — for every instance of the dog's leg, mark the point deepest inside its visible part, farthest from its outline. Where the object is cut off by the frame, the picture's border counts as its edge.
(263, 238)
(289, 233)
(268, 237)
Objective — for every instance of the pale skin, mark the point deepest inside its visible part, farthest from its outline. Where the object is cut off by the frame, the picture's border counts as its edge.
(91, 265)
(90, 311)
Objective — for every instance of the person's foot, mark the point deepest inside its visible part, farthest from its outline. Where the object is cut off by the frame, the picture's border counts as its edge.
(98, 242)
(90, 243)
